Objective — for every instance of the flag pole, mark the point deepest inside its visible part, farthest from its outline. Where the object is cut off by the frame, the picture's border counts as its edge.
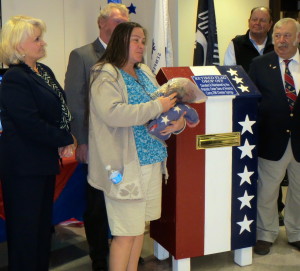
(162, 49)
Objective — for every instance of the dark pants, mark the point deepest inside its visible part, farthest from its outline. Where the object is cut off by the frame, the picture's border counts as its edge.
(28, 203)
(96, 227)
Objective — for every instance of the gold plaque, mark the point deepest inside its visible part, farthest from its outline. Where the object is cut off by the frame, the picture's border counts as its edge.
(218, 140)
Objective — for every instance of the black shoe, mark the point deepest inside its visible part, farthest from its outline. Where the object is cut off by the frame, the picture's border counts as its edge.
(295, 244)
(96, 266)
(262, 247)
(281, 219)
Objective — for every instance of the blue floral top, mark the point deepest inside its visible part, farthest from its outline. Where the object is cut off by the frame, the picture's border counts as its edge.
(149, 150)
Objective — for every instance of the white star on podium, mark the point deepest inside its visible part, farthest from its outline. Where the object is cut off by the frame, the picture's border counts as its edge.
(232, 72)
(177, 109)
(244, 88)
(245, 224)
(246, 176)
(247, 125)
(245, 200)
(246, 149)
(165, 120)
(237, 79)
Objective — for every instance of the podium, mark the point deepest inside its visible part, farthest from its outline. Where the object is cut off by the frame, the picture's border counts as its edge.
(209, 200)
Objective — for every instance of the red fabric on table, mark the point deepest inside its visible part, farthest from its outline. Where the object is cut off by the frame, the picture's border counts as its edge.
(67, 169)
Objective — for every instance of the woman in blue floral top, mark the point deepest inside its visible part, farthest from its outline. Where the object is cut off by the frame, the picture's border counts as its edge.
(120, 106)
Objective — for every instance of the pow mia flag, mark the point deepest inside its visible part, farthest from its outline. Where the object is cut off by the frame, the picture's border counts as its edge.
(206, 50)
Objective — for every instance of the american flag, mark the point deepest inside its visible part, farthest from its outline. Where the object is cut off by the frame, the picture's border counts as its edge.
(114, 1)
(206, 50)
(156, 126)
(213, 189)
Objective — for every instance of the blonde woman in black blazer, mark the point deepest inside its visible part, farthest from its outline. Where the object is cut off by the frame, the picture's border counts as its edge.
(36, 134)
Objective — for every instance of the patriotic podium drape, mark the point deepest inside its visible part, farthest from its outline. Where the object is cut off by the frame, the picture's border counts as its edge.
(210, 197)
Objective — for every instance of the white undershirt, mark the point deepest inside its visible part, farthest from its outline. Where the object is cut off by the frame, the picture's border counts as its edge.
(103, 43)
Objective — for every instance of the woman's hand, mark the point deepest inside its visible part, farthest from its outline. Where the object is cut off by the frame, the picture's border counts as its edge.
(168, 102)
(74, 141)
(175, 126)
(66, 151)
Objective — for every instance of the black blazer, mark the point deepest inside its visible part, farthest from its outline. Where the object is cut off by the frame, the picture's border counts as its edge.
(30, 116)
(276, 123)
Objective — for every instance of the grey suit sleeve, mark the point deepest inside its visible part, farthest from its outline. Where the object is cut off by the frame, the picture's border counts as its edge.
(76, 88)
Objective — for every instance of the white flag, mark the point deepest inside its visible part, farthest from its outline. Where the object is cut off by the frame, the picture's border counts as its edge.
(162, 50)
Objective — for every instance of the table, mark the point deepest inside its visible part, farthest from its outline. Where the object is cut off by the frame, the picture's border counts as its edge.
(69, 198)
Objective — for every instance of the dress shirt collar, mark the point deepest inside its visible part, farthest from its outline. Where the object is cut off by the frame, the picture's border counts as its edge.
(296, 58)
(103, 43)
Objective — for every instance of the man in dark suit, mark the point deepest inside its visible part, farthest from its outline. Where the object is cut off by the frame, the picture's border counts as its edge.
(278, 134)
(77, 87)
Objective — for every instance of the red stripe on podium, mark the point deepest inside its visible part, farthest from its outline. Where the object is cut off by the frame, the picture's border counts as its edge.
(183, 196)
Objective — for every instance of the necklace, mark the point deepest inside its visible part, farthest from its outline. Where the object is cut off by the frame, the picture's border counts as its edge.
(35, 69)
(143, 88)
(136, 79)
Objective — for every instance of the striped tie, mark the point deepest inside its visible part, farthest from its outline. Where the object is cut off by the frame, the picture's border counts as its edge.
(289, 85)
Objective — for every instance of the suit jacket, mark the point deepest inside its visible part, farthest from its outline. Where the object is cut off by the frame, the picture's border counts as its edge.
(77, 83)
(30, 115)
(276, 123)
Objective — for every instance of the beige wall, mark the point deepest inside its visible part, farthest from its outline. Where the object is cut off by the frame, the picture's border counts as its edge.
(49, 11)
(72, 23)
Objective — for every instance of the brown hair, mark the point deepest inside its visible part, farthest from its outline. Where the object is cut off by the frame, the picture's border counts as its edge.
(117, 51)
